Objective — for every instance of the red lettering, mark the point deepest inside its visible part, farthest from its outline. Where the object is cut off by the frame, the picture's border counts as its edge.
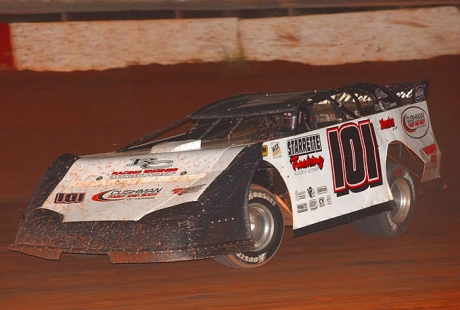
(387, 123)
(126, 172)
(430, 149)
(308, 162)
(160, 170)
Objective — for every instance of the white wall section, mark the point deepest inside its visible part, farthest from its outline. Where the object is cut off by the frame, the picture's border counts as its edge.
(101, 45)
(353, 37)
(331, 39)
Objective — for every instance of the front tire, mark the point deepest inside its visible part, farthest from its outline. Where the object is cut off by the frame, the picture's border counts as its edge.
(394, 222)
(267, 228)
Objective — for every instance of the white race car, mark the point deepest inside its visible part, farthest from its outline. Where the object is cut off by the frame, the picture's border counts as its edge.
(248, 166)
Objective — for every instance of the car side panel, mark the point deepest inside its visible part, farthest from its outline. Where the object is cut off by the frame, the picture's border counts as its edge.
(340, 170)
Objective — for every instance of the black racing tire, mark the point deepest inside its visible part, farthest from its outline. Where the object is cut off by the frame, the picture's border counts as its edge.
(395, 222)
(267, 227)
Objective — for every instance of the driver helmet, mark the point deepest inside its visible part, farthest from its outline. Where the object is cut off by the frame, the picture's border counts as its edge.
(288, 121)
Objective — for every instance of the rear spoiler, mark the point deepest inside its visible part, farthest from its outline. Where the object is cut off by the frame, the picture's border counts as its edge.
(411, 92)
(402, 93)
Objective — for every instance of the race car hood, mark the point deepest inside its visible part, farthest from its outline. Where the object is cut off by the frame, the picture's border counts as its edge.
(128, 186)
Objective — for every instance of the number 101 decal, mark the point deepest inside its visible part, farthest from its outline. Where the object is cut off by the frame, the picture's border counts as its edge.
(354, 157)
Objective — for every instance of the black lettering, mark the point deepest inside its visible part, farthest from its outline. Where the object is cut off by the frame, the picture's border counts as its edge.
(354, 157)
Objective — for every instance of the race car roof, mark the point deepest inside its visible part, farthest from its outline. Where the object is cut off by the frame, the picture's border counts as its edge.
(246, 105)
(254, 104)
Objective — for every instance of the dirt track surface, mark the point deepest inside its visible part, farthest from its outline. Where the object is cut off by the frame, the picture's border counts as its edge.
(47, 114)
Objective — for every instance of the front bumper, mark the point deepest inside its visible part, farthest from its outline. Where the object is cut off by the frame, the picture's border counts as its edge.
(183, 232)
(216, 224)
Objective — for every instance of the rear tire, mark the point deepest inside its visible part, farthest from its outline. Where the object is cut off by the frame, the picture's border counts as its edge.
(394, 222)
(267, 227)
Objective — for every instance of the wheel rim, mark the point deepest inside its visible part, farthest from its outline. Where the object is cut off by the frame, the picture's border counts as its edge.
(402, 197)
(262, 225)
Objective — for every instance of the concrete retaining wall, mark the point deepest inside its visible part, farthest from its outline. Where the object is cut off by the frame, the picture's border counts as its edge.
(314, 39)
(354, 37)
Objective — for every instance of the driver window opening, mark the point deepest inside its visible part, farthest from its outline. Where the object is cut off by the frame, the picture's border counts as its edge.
(326, 113)
(347, 104)
(307, 119)
(366, 102)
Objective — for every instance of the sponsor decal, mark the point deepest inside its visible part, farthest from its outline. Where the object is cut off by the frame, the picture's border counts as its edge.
(419, 93)
(415, 122)
(379, 106)
(430, 151)
(329, 199)
(250, 259)
(387, 123)
(304, 145)
(405, 96)
(127, 194)
(313, 204)
(321, 202)
(150, 163)
(187, 190)
(380, 94)
(355, 159)
(311, 192)
(264, 150)
(364, 98)
(67, 198)
(276, 150)
(299, 195)
(303, 207)
(383, 106)
(321, 190)
(308, 162)
(147, 173)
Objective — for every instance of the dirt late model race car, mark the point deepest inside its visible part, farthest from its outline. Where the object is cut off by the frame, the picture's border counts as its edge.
(248, 166)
